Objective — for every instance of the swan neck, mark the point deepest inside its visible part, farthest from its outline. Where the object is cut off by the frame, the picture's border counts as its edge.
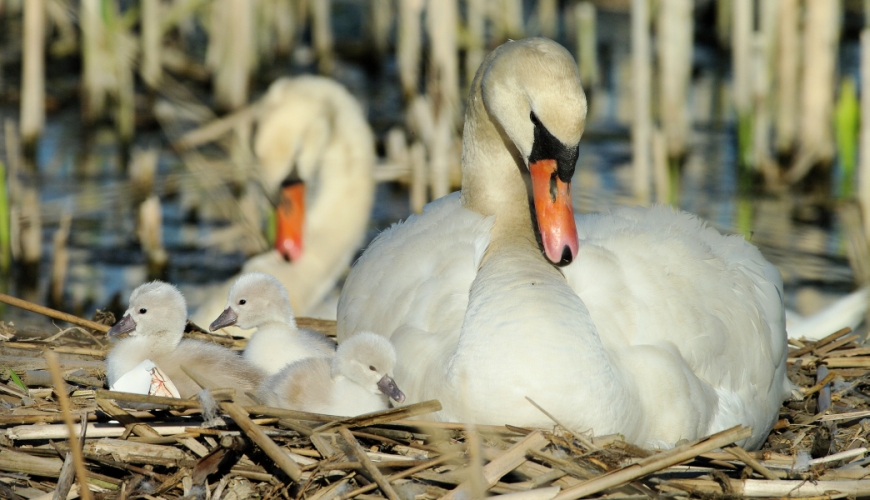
(494, 175)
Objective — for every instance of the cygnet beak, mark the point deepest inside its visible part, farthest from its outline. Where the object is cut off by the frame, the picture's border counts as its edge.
(227, 318)
(388, 386)
(126, 325)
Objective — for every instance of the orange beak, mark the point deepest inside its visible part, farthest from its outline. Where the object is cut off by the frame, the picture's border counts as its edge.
(554, 212)
(290, 221)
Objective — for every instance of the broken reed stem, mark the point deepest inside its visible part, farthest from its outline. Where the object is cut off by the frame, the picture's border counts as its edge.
(585, 442)
(641, 127)
(33, 71)
(52, 313)
(401, 475)
(367, 464)
(655, 463)
(509, 460)
(385, 416)
(253, 431)
(746, 458)
(63, 400)
(823, 342)
(818, 387)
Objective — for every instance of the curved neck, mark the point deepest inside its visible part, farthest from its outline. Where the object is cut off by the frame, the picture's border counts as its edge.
(335, 224)
(494, 176)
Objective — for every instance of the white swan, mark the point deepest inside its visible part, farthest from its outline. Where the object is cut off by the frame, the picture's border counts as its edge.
(155, 323)
(655, 326)
(258, 300)
(357, 380)
(310, 129)
(848, 310)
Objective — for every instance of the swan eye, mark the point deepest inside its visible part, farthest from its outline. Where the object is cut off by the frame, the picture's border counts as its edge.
(372, 368)
(243, 302)
(143, 311)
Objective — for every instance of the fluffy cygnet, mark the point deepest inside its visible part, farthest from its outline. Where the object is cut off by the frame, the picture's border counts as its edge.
(357, 380)
(155, 322)
(258, 300)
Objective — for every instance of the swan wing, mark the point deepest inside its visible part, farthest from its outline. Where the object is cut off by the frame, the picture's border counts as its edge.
(662, 279)
(412, 284)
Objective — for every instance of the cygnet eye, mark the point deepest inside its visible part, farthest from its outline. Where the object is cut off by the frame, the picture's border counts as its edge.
(143, 311)
(243, 302)
(372, 368)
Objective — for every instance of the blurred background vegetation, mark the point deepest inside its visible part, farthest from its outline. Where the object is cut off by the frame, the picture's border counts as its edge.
(126, 125)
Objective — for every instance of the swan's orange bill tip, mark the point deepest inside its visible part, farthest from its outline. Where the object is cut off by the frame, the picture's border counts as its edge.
(290, 221)
(554, 212)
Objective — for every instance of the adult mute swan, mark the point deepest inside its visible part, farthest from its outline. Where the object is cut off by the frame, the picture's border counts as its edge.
(312, 143)
(644, 322)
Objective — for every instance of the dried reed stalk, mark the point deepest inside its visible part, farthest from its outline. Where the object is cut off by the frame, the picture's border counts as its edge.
(641, 126)
(231, 51)
(503, 464)
(674, 27)
(381, 15)
(149, 232)
(548, 21)
(51, 313)
(410, 46)
(587, 45)
(60, 259)
(655, 463)
(253, 431)
(864, 148)
(321, 29)
(30, 227)
(151, 40)
(819, 72)
(787, 70)
(475, 23)
(75, 449)
(354, 450)
(33, 71)
(741, 46)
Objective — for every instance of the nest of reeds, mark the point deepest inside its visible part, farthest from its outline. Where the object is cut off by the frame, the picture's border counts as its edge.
(138, 446)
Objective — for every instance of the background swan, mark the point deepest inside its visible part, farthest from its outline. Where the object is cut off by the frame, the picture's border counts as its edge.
(311, 129)
(258, 300)
(656, 326)
(357, 380)
(155, 324)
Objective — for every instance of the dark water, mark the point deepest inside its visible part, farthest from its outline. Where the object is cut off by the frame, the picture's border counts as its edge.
(79, 173)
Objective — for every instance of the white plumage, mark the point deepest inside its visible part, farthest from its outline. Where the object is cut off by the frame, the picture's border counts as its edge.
(155, 324)
(660, 329)
(258, 300)
(357, 380)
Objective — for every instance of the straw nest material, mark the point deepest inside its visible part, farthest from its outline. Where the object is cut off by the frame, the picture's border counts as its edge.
(149, 447)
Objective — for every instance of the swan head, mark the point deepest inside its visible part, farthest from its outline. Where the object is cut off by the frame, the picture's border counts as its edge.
(157, 310)
(368, 359)
(530, 90)
(294, 129)
(253, 300)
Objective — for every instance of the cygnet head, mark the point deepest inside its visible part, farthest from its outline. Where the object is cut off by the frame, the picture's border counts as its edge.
(368, 360)
(253, 300)
(157, 310)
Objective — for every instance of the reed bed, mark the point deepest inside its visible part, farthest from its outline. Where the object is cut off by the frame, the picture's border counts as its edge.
(137, 446)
